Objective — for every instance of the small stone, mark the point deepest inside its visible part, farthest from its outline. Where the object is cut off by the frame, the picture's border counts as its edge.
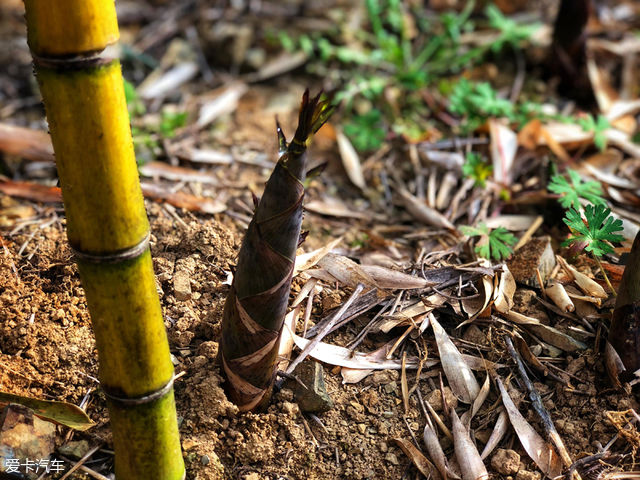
(383, 447)
(75, 449)
(314, 398)
(536, 253)
(204, 459)
(381, 377)
(506, 462)
(527, 475)
(290, 409)
(23, 435)
(435, 399)
(391, 458)
(181, 286)
(208, 349)
(199, 361)
(252, 476)
(362, 428)
(391, 388)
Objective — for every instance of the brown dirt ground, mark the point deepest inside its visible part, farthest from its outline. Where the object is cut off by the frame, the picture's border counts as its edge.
(47, 350)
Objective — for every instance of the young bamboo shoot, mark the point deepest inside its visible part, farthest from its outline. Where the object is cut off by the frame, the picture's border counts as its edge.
(255, 307)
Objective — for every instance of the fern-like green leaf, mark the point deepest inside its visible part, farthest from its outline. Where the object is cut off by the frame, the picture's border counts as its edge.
(497, 243)
(599, 230)
(572, 192)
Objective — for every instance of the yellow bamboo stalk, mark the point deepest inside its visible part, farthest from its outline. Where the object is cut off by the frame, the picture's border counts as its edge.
(108, 228)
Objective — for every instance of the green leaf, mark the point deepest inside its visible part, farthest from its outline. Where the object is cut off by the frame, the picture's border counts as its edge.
(497, 243)
(476, 168)
(597, 232)
(572, 192)
(366, 131)
(598, 127)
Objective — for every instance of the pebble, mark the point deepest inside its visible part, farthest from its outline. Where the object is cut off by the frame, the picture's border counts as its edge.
(204, 459)
(505, 462)
(527, 475)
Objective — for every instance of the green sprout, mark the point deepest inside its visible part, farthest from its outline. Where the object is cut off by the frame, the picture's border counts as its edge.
(494, 243)
(476, 168)
(572, 192)
(598, 127)
(600, 229)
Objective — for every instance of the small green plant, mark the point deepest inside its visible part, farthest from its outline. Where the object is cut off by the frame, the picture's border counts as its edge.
(494, 243)
(366, 131)
(146, 138)
(597, 126)
(596, 234)
(600, 229)
(476, 168)
(476, 102)
(572, 191)
(388, 65)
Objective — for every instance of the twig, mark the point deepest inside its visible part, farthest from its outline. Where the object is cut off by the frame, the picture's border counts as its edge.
(542, 412)
(79, 463)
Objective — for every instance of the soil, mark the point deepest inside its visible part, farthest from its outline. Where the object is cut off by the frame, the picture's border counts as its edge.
(47, 350)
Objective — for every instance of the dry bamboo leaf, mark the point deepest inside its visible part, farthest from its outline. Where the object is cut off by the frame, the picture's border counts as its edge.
(354, 375)
(514, 223)
(182, 199)
(277, 66)
(404, 384)
(208, 156)
(549, 334)
(320, 274)
(333, 207)
(26, 143)
(503, 295)
(179, 174)
(461, 379)
(420, 211)
(31, 191)
(475, 306)
(504, 144)
(623, 141)
(159, 86)
(286, 340)
(308, 260)
(471, 465)
(345, 270)
(419, 460)
(434, 449)
(226, 101)
(610, 178)
(499, 431)
(614, 365)
(449, 160)
(62, 413)
(527, 354)
(477, 403)
(393, 279)
(586, 284)
(343, 357)
(350, 160)
(543, 454)
(448, 183)
(559, 296)
(481, 364)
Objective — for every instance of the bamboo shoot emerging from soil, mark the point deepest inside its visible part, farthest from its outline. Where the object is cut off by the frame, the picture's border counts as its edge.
(255, 307)
(108, 229)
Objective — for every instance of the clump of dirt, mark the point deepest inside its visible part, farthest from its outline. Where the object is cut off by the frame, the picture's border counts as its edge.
(47, 350)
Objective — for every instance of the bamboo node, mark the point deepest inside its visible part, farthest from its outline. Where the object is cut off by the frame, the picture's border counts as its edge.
(117, 257)
(142, 400)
